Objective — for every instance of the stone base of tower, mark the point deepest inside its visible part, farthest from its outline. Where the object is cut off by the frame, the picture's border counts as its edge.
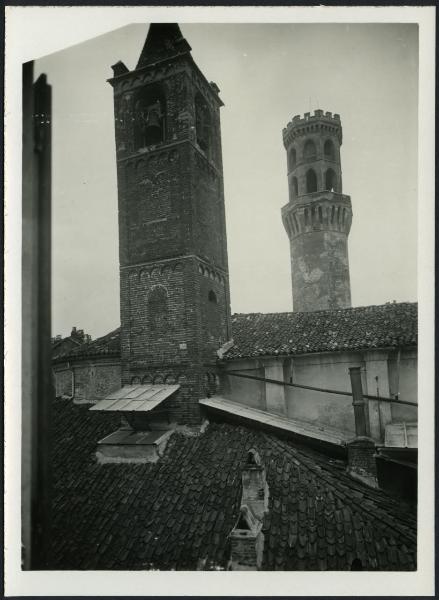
(318, 226)
(320, 271)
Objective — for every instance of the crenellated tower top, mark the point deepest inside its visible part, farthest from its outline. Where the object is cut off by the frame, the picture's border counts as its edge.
(320, 121)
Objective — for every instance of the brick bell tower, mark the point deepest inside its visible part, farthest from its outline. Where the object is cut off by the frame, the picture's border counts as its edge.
(174, 282)
(318, 216)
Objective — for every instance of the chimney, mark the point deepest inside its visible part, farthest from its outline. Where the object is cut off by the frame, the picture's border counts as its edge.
(254, 485)
(247, 539)
(362, 460)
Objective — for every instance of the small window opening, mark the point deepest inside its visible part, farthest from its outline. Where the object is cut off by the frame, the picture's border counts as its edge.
(212, 297)
(295, 187)
(292, 158)
(329, 150)
(309, 150)
(330, 180)
(311, 181)
(149, 117)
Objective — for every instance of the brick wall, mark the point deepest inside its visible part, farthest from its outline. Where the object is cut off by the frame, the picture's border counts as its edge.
(63, 381)
(174, 290)
(93, 379)
(247, 550)
(361, 457)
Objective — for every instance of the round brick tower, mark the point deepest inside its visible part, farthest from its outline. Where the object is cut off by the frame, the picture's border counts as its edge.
(318, 216)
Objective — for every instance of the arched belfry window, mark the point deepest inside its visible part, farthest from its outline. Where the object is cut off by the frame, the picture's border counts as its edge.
(294, 187)
(292, 158)
(149, 117)
(203, 123)
(329, 150)
(311, 181)
(309, 150)
(158, 309)
(330, 180)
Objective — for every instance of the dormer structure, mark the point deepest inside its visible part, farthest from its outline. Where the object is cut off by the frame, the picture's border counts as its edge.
(318, 215)
(174, 282)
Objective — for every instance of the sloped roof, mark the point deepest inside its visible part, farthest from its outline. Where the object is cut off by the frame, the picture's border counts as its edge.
(108, 344)
(364, 327)
(257, 334)
(164, 40)
(179, 511)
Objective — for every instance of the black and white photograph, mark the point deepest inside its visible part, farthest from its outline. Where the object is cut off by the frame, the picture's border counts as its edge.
(219, 301)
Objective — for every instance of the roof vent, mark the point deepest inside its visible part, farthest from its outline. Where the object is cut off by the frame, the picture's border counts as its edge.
(144, 435)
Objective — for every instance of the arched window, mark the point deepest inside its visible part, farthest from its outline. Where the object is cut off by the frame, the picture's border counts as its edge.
(203, 124)
(294, 187)
(330, 180)
(329, 150)
(158, 308)
(292, 157)
(309, 150)
(311, 181)
(149, 117)
(212, 297)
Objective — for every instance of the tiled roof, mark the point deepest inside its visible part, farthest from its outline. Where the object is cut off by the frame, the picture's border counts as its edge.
(257, 334)
(365, 327)
(108, 344)
(179, 511)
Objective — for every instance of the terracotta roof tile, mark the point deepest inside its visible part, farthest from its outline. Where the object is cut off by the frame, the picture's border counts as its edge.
(107, 345)
(256, 334)
(387, 325)
(179, 511)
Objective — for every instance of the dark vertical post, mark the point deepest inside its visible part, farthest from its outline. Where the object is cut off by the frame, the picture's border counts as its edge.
(36, 319)
(358, 401)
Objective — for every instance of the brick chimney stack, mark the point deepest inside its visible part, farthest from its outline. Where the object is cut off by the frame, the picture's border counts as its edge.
(247, 539)
(362, 460)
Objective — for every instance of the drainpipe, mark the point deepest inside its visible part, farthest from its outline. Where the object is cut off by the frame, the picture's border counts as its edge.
(361, 450)
(358, 401)
(398, 366)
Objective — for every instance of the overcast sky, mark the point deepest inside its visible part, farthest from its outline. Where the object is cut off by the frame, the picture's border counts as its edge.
(266, 73)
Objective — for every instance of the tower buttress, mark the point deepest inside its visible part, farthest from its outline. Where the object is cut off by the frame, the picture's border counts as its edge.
(318, 215)
(174, 282)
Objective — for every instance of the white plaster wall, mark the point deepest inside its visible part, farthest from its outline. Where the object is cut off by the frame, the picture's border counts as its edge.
(330, 371)
(246, 391)
(406, 384)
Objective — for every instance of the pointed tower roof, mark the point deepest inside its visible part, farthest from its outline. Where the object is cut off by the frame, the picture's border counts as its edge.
(164, 40)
